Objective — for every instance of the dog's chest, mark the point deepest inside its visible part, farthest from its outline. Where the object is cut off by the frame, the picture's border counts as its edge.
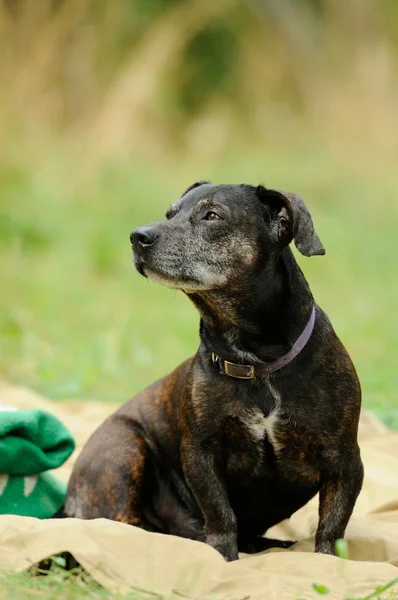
(249, 441)
(270, 444)
(250, 435)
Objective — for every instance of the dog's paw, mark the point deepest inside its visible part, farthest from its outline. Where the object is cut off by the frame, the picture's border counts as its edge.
(324, 548)
(225, 544)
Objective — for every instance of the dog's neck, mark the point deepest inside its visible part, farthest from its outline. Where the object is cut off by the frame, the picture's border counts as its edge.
(261, 319)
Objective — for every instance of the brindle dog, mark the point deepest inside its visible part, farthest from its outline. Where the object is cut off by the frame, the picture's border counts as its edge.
(219, 458)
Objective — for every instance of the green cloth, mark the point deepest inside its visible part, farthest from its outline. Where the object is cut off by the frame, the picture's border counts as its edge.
(37, 496)
(31, 443)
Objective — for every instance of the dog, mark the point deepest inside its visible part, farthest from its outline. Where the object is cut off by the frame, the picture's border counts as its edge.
(263, 417)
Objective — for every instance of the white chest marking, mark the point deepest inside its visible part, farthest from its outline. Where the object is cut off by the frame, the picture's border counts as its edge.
(271, 424)
(256, 423)
(260, 425)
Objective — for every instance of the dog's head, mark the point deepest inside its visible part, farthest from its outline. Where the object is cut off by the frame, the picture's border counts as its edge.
(216, 234)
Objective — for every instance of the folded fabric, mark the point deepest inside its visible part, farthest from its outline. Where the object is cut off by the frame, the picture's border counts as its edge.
(31, 443)
(37, 496)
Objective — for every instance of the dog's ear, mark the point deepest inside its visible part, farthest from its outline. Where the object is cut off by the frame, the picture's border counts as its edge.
(294, 220)
(193, 186)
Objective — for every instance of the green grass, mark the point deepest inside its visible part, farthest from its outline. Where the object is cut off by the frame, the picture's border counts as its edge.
(58, 584)
(76, 320)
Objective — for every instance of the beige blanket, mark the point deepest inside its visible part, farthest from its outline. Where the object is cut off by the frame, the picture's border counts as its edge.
(123, 557)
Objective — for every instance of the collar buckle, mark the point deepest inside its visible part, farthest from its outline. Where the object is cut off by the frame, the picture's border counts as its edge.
(238, 371)
(232, 369)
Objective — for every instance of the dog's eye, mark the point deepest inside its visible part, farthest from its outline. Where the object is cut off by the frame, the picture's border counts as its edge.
(284, 222)
(212, 216)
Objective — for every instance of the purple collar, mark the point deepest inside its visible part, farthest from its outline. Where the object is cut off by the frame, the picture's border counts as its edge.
(253, 371)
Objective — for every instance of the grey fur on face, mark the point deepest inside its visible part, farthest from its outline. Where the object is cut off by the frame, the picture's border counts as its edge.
(215, 234)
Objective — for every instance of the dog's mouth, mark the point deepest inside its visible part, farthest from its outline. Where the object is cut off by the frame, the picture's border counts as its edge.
(153, 274)
(167, 280)
(139, 265)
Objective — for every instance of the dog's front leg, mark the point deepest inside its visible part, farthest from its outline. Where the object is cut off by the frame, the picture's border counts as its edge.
(337, 497)
(207, 486)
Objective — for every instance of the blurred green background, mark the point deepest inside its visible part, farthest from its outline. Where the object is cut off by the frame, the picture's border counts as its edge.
(109, 110)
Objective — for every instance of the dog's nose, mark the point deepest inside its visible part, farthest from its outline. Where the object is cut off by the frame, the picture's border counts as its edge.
(144, 236)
